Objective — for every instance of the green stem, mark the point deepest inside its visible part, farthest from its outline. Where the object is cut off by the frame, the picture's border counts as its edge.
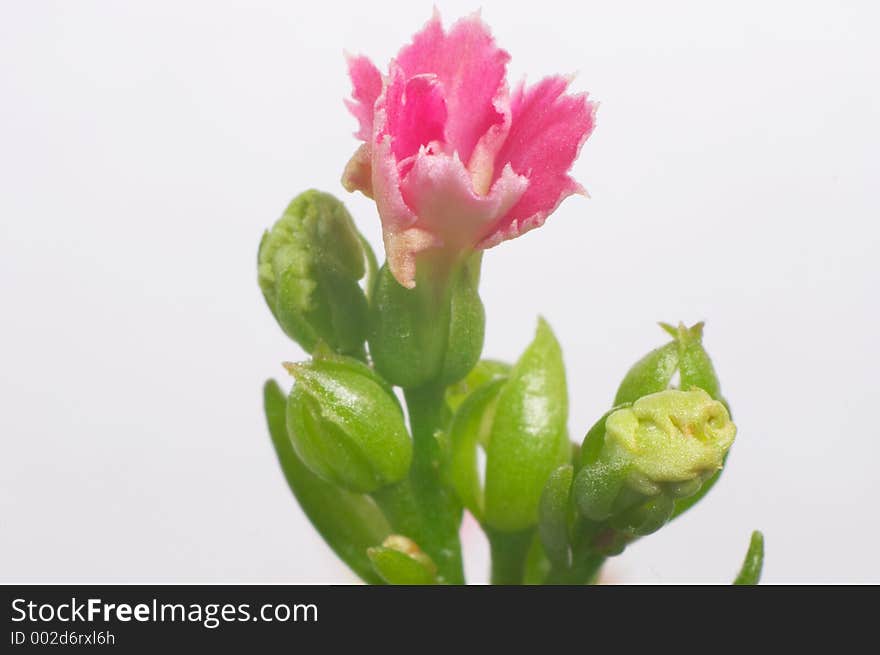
(583, 570)
(420, 507)
(509, 553)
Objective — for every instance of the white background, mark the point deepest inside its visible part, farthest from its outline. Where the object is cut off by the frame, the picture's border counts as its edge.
(144, 146)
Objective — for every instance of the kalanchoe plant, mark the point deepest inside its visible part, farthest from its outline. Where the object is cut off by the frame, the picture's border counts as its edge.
(457, 162)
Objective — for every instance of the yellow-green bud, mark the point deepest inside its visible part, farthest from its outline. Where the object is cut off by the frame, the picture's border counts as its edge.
(666, 444)
(670, 436)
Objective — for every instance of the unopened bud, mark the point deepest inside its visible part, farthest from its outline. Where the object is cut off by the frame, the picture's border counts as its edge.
(346, 424)
(309, 266)
(400, 561)
(661, 448)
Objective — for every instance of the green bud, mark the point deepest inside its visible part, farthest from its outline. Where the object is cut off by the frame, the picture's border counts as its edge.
(309, 265)
(663, 447)
(349, 523)
(655, 370)
(430, 334)
(400, 561)
(521, 422)
(346, 424)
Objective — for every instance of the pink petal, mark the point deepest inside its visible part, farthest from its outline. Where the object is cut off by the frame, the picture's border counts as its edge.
(482, 161)
(440, 193)
(367, 83)
(471, 70)
(546, 133)
(414, 112)
(403, 240)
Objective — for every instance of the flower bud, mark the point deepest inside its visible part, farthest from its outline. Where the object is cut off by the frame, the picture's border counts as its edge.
(660, 449)
(400, 561)
(432, 334)
(346, 424)
(309, 266)
(520, 420)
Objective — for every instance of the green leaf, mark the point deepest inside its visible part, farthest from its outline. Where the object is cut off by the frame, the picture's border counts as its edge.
(348, 522)
(750, 573)
(553, 514)
(485, 371)
(529, 435)
(398, 568)
(469, 428)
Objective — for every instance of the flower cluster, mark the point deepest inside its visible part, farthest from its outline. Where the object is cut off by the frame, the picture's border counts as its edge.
(457, 162)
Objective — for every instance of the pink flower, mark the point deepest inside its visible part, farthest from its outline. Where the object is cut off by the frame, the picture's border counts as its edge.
(452, 158)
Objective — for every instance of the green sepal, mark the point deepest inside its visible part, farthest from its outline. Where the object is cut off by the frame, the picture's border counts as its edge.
(598, 487)
(591, 447)
(685, 354)
(695, 366)
(529, 438)
(554, 515)
(750, 573)
(431, 334)
(467, 325)
(646, 517)
(684, 504)
(309, 266)
(349, 523)
(650, 374)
